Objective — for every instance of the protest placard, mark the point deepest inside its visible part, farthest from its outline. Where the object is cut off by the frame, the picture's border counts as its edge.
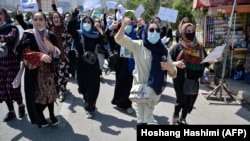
(167, 14)
(139, 10)
(28, 5)
(214, 55)
(111, 4)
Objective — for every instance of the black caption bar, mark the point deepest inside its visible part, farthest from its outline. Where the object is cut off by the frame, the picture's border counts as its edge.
(175, 132)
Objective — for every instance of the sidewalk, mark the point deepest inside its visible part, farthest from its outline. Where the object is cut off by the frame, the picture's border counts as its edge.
(239, 89)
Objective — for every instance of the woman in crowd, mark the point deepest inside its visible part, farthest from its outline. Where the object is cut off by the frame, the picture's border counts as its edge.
(88, 75)
(178, 34)
(64, 41)
(149, 67)
(187, 56)
(9, 67)
(166, 31)
(37, 49)
(139, 28)
(124, 77)
(100, 48)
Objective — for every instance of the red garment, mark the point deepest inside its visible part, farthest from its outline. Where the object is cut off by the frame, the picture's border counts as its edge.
(32, 58)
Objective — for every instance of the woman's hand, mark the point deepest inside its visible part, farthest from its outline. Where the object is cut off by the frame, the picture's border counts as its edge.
(168, 67)
(46, 58)
(165, 66)
(49, 44)
(126, 21)
(179, 64)
(120, 32)
(114, 25)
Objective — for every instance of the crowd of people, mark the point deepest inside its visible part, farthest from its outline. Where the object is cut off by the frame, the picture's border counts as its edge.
(53, 48)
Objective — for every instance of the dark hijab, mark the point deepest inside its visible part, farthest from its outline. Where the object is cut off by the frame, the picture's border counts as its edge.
(156, 75)
(91, 33)
(4, 29)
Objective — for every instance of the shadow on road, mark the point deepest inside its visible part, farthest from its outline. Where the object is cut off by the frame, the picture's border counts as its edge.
(61, 132)
(109, 121)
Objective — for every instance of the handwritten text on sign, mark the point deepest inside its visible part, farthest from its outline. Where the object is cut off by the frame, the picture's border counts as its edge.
(167, 14)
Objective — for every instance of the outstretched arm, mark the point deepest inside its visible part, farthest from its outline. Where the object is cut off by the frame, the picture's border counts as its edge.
(53, 5)
(39, 5)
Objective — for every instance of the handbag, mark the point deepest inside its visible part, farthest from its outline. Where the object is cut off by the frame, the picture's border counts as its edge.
(89, 57)
(3, 50)
(190, 87)
(140, 93)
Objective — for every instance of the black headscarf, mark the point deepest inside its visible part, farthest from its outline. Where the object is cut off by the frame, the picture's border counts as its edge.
(91, 33)
(156, 76)
(5, 28)
(7, 20)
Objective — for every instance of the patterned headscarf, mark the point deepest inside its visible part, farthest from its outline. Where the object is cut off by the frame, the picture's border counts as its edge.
(193, 52)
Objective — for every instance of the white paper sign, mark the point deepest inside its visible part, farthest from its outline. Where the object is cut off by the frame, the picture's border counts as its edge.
(139, 10)
(164, 40)
(96, 3)
(60, 10)
(167, 14)
(121, 9)
(91, 4)
(28, 5)
(111, 4)
(216, 53)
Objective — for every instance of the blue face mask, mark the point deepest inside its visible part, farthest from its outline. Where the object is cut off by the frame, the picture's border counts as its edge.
(153, 37)
(86, 27)
(128, 29)
(109, 21)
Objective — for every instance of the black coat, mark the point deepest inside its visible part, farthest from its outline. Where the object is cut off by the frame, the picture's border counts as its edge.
(30, 76)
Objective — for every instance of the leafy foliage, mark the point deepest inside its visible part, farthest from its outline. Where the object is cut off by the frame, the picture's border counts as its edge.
(152, 6)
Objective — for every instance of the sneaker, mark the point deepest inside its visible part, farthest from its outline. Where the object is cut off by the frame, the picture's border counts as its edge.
(183, 122)
(130, 110)
(54, 121)
(9, 116)
(176, 121)
(89, 115)
(44, 124)
(21, 111)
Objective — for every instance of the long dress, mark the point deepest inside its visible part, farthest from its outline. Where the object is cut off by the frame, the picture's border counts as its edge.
(39, 83)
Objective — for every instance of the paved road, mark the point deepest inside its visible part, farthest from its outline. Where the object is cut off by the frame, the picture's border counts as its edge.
(110, 123)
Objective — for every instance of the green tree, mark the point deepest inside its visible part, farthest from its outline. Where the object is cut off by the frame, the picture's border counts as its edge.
(184, 8)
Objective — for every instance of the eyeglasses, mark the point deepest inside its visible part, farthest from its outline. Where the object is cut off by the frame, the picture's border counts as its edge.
(158, 30)
(38, 19)
(97, 21)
